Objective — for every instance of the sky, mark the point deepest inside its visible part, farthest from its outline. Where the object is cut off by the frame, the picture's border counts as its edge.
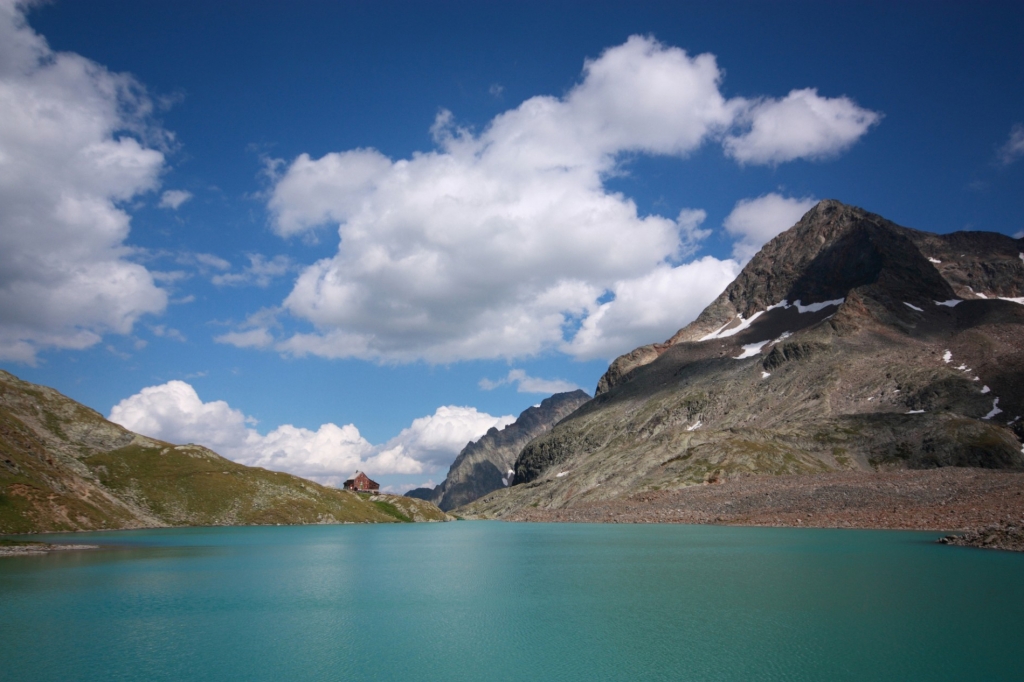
(320, 236)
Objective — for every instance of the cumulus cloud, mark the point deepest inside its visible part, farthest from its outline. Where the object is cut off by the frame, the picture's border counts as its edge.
(434, 440)
(502, 243)
(802, 125)
(651, 308)
(254, 332)
(689, 221)
(174, 198)
(527, 384)
(1014, 147)
(756, 221)
(73, 148)
(174, 412)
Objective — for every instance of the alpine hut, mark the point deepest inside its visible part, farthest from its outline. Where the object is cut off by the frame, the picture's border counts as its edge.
(361, 482)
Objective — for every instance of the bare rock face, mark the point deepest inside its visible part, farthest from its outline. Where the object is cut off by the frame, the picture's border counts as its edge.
(835, 249)
(847, 343)
(485, 465)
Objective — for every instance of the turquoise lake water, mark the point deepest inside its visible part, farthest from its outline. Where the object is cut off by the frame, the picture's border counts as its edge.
(502, 601)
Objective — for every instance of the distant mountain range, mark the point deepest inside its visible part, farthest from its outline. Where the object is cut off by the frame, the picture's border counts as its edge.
(847, 342)
(64, 467)
(485, 465)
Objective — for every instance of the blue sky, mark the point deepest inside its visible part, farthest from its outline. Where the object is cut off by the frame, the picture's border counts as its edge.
(316, 236)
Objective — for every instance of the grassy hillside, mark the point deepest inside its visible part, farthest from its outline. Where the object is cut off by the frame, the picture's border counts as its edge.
(65, 467)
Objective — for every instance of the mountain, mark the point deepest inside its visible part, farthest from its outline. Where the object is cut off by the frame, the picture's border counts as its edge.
(847, 343)
(485, 465)
(64, 467)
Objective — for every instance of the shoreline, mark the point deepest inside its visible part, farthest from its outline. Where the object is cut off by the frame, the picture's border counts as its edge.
(40, 548)
(971, 507)
(983, 504)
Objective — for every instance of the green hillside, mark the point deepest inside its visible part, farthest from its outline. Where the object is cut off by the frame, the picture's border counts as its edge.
(64, 467)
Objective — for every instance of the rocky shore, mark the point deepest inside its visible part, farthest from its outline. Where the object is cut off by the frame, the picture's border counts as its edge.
(1007, 535)
(33, 548)
(950, 499)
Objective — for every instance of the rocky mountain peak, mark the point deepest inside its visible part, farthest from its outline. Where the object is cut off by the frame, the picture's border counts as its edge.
(838, 252)
(833, 249)
(847, 343)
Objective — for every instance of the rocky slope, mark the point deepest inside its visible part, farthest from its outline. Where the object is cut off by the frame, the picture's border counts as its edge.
(947, 498)
(64, 467)
(848, 342)
(486, 465)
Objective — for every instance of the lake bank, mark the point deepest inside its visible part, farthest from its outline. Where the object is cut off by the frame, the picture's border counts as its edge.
(9, 548)
(947, 499)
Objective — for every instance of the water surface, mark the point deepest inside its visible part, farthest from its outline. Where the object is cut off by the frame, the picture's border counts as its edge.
(498, 601)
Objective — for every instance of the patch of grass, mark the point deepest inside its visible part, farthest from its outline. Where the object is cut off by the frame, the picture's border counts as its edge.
(678, 458)
(18, 543)
(391, 510)
(53, 425)
(840, 456)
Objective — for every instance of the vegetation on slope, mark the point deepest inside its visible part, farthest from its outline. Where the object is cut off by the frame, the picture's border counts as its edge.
(64, 467)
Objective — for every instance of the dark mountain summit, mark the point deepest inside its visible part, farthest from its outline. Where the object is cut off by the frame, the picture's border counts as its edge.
(847, 342)
(486, 464)
(836, 249)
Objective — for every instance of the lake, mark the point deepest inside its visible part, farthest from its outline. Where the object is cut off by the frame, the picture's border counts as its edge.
(504, 601)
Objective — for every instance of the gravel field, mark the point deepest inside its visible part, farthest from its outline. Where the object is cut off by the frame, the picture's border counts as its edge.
(952, 499)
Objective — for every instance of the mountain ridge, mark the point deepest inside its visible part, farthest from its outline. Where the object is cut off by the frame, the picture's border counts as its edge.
(779, 272)
(485, 464)
(847, 342)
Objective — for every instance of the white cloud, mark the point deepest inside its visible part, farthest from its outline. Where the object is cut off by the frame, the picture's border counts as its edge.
(169, 277)
(174, 198)
(254, 332)
(434, 440)
(527, 384)
(500, 243)
(250, 338)
(204, 260)
(689, 221)
(651, 308)
(174, 412)
(71, 150)
(756, 221)
(1014, 147)
(802, 125)
(168, 332)
(259, 272)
